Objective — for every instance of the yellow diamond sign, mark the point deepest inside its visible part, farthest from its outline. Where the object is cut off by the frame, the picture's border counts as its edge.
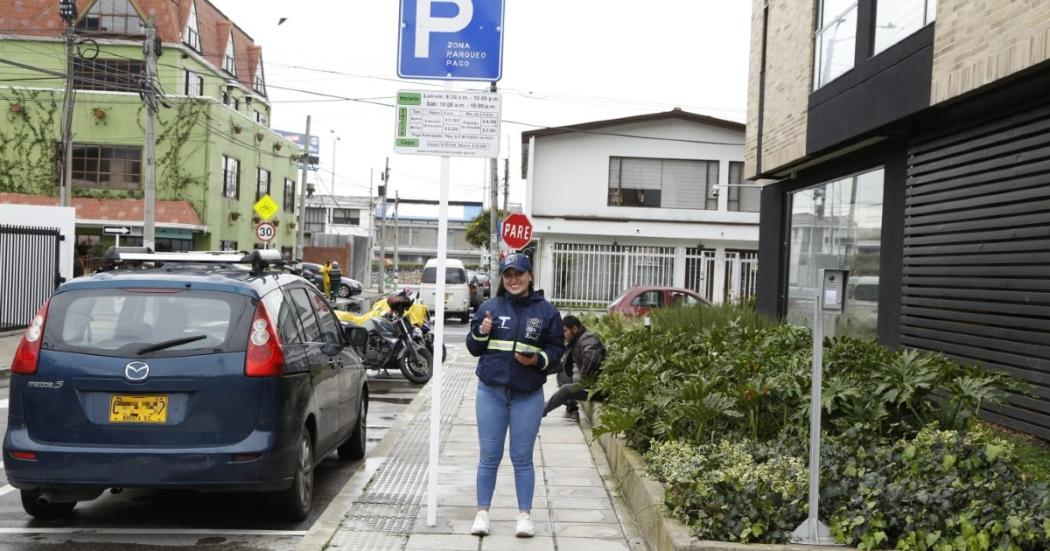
(266, 207)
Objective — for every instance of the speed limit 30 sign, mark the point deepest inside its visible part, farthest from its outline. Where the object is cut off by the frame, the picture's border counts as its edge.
(265, 232)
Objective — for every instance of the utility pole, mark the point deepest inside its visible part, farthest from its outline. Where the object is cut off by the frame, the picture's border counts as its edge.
(397, 233)
(305, 158)
(494, 212)
(150, 178)
(506, 184)
(385, 177)
(371, 229)
(68, 10)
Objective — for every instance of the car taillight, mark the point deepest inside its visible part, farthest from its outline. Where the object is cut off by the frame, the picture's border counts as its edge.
(28, 353)
(265, 357)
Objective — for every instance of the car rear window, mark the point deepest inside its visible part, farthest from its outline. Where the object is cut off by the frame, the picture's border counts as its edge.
(453, 276)
(121, 322)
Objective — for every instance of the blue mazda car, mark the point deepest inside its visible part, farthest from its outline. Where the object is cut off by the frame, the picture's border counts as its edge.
(203, 371)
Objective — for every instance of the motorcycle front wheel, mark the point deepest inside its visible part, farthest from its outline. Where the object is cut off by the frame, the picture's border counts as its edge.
(419, 370)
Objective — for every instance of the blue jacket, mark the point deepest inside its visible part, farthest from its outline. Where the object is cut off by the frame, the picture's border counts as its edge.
(518, 324)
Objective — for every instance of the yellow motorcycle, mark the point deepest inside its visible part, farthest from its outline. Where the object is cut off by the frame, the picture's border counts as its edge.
(399, 336)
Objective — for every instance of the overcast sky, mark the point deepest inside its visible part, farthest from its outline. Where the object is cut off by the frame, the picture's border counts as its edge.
(564, 62)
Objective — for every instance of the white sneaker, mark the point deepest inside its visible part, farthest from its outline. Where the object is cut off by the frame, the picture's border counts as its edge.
(525, 528)
(481, 524)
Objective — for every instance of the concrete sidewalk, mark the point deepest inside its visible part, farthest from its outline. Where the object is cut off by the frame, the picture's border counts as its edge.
(575, 505)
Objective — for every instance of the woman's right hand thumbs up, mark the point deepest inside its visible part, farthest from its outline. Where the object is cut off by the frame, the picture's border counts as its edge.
(486, 324)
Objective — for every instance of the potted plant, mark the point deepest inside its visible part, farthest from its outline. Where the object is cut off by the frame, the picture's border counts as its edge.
(277, 146)
(234, 216)
(275, 222)
(259, 136)
(99, 113)
(256, 219)
(237, 129)
(291, 224)
(17, 108)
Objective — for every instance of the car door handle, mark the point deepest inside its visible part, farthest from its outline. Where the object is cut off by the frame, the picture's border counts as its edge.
(334, 364)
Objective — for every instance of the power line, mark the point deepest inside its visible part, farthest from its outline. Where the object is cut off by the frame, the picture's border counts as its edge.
(567, 129)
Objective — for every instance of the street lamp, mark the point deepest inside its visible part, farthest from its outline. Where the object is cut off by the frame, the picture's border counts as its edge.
(335, 140)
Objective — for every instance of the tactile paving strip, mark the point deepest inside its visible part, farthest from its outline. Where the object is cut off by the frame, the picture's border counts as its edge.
(382, 517)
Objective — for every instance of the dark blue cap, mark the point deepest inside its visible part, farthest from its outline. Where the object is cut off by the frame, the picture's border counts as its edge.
(518, 261)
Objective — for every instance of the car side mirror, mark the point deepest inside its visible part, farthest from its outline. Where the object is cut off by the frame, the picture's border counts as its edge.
(356, 336)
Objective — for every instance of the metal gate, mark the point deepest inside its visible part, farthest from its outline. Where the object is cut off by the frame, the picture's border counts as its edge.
(741, 275)
(29, 272)
(700, 272)
(592, 276)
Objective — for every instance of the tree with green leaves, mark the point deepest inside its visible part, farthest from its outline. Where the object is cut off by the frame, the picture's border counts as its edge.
(478, 232)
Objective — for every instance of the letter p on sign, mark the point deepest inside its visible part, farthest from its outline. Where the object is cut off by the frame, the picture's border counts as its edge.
(426, 23)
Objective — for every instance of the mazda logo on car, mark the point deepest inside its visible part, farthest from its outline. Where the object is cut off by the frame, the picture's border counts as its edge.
(136, 371)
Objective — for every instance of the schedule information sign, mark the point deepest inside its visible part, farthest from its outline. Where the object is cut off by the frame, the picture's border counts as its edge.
(457, 124)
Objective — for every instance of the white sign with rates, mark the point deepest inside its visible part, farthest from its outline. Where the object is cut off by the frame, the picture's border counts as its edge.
(456, 124)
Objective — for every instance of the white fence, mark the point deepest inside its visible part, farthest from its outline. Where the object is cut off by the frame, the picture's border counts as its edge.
(592, 276)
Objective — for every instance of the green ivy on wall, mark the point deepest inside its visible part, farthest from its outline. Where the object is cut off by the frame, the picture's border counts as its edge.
(29, 137)
(179, 142)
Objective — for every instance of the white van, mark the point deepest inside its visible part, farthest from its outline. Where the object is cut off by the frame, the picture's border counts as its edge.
(457, 289)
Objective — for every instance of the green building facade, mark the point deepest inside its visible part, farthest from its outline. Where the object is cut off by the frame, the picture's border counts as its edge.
(214, 148)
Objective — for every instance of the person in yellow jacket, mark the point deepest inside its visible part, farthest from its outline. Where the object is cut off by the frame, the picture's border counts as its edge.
(326, 278)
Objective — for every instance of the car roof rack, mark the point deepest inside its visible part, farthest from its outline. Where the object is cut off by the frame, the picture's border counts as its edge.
(127, 257)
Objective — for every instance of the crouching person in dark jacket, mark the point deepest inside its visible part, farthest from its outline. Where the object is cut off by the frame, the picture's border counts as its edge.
(517, 335)
(580, 367)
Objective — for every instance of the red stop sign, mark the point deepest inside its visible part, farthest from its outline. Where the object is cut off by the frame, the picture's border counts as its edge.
(517, 231)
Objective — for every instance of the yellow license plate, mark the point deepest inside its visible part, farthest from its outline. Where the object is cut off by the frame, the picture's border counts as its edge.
(138, 409)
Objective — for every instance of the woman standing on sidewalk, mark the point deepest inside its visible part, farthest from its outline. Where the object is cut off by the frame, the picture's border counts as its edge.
(517, 334)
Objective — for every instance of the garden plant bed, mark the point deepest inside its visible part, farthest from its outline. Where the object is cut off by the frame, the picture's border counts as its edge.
(713, 403)
(645, 498)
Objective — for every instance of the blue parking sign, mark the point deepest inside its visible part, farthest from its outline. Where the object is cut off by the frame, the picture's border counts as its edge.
(451, 40)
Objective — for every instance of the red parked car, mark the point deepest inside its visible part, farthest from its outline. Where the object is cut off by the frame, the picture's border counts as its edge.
(639, 301)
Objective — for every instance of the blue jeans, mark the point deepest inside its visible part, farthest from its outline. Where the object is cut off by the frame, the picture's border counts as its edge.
(498, 408)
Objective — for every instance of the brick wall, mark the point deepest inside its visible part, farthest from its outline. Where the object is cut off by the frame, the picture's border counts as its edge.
(789, 61)
(980, 41)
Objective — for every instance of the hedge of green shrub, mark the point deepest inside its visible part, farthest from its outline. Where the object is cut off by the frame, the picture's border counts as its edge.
(719, 397)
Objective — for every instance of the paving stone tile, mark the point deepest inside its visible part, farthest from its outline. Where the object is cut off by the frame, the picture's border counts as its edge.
(579, 503)
(442, 542)
(577, 491)
(511, 543)
(588, 530)
(606, 516)
(592, 543)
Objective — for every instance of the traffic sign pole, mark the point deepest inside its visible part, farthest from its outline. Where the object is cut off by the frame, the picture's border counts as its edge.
(464, 46)
(439, 341)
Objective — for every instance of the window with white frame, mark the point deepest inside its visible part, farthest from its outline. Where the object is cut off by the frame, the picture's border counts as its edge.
(229, 64)
(259, 84)
(190, 36)
(835, 41)
(743, 197)
(231, 177)
(895, 20)
(663, 183)
(194, 84)
(316, 217)
(350, 217)
(112, 17)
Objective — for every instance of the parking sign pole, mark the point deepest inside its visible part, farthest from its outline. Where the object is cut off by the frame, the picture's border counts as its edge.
(812, 531)
(439, 340)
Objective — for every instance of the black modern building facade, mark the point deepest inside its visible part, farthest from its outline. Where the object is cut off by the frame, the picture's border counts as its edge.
(909, 142)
